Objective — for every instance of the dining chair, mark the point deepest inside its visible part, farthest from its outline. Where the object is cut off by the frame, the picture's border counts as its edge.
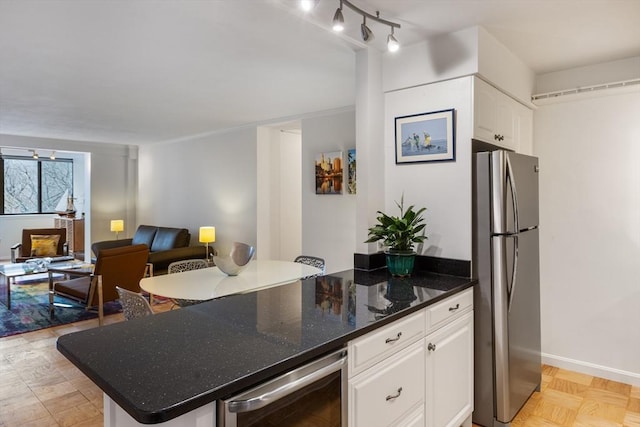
(122, 267)
(133, 304)
(312, 261)
(182, 266)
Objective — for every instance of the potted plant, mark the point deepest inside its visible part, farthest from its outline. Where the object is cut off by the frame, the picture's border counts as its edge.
(399, 234)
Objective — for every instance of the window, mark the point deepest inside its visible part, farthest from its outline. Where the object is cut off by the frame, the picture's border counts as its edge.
(33, 186)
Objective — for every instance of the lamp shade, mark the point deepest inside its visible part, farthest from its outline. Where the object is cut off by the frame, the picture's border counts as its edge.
(117, 225)
(207, 234)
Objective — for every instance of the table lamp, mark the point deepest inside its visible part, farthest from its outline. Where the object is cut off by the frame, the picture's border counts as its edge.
(117, 225)
(207, 235)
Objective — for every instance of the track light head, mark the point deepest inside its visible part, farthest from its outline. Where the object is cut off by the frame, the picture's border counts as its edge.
(392, 42)
(34, 154)
(338, 20)
(367, 34)
(53, 155)
(307, 5)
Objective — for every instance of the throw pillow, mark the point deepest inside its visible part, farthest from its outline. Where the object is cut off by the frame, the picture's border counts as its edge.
(44, 245)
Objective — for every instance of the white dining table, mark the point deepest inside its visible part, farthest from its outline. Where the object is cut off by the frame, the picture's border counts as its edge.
(209, 283)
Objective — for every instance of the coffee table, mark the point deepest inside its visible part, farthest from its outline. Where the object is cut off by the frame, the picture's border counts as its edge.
(9, 272)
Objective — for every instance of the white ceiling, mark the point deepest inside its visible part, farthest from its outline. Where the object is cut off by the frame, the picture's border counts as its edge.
(142, 71)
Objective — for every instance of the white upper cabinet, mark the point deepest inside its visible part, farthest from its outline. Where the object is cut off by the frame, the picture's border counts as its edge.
(500, 120)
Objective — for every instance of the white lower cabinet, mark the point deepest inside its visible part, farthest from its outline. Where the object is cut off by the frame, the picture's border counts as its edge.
(404, 375)
(389, 393)
(449, 373)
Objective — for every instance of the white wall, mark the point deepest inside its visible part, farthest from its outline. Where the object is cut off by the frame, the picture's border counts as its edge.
(209, 180)
(328, 221)
(590, 233)
(279, 219)
(444, 188)
(462, 53)
(591, 75)
(290, 180)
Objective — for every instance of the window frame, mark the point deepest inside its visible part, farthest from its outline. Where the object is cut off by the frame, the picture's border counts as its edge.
(40, 162)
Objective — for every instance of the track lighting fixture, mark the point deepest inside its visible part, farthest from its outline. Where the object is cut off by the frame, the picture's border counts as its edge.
(307, 5)
(338, 19)
(367, 34)
(53, 155)
(34, 154)
(392, 43)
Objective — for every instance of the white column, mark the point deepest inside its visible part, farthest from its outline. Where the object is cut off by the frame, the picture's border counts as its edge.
(369, 144)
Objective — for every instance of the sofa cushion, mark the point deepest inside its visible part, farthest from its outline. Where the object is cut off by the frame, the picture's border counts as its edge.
(144, 235)
(170, 238)
(44, 245)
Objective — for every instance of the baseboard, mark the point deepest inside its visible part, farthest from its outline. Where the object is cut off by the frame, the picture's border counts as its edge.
(592, 369)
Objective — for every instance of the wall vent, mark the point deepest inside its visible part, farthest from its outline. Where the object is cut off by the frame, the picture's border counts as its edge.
(585, 89)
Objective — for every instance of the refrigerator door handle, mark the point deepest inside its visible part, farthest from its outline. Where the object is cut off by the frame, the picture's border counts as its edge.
(514, 195)
(511, 291)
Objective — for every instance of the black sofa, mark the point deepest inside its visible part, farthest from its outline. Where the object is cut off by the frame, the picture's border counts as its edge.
(166, 245)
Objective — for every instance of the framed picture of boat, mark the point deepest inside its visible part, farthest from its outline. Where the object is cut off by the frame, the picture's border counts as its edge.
(425, 137)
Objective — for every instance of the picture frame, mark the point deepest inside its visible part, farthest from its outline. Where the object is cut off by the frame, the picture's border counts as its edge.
(351, 171)
(328, 173)
(425, 137)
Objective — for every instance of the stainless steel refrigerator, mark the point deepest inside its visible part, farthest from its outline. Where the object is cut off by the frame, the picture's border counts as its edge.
(507, 298)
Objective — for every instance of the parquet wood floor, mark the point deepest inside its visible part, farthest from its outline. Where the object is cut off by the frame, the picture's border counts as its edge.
(571, 399)
(40, 387)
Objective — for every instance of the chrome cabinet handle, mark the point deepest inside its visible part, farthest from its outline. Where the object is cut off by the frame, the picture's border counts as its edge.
(394, 396)
(454, 308)
(431, 347)
(390, 340)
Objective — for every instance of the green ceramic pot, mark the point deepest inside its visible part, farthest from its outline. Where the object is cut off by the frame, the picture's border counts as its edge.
(400, 263)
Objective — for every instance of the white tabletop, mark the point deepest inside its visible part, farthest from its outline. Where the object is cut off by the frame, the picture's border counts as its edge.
(208, 283)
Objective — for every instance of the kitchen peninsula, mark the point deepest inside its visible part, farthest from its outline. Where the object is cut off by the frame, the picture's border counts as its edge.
(164, 366)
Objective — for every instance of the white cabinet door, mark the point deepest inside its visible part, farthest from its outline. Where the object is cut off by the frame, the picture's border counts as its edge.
(485, 120)
(449, 373)
(389, 392)
(499, 119)
(524, 137)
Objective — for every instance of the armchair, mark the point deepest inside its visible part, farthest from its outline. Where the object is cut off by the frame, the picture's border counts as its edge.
(123, 267)
(39, 243)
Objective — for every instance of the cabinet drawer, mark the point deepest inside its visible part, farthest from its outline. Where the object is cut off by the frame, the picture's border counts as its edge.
(378, 345)
(391, 391)
(449, 309)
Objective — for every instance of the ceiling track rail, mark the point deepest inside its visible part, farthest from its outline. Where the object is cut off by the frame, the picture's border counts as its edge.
(585, 89)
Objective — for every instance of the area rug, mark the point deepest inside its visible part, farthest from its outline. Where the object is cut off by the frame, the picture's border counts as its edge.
(30, 309)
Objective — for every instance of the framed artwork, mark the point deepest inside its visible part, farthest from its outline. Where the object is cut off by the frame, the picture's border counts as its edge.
(329, 173)
(351, 171)
(425, 137)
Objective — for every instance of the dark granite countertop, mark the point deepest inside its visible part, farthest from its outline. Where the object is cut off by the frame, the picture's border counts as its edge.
(159, 367)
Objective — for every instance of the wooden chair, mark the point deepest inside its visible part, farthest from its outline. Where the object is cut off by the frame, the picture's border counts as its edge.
(312, 261)
(133, 304)
(20, 252)
(123, 267)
